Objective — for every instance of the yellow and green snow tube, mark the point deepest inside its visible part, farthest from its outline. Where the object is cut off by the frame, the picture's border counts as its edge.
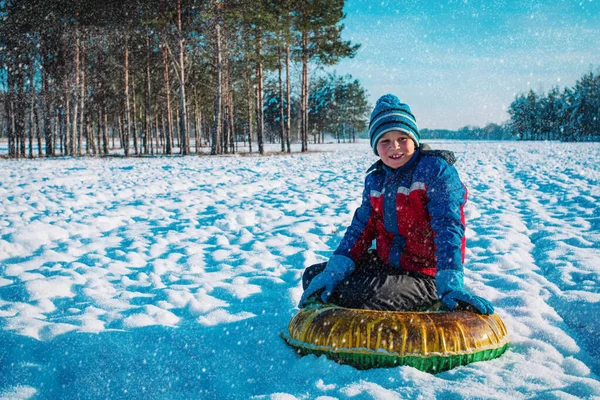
(430, 341)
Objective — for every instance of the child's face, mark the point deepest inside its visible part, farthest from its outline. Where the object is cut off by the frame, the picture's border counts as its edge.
(395, 149)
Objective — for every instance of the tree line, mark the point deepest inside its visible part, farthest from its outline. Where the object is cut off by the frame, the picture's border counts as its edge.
(570, 114)
(491, 131)
(166, 76)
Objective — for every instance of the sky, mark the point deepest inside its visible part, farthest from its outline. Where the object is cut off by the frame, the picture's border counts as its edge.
(459, 63)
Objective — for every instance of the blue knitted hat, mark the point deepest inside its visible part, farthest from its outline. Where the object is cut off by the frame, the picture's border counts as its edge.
(390, 114)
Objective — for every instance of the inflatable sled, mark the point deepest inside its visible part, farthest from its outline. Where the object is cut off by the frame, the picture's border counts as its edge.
(430, 341)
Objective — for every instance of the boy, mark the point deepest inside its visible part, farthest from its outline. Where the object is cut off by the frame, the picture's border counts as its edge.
(412, 206)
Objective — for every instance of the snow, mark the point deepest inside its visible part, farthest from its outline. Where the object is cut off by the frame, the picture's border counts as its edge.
(173, 277)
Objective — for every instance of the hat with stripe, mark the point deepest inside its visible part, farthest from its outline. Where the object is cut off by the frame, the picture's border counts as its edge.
(390, 114)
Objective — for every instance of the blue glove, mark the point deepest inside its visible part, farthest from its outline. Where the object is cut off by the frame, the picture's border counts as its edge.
(449, 285)
(338, 267)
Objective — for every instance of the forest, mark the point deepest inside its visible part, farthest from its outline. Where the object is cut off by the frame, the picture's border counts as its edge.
(173, 76)
(571, 114)
(190, 76)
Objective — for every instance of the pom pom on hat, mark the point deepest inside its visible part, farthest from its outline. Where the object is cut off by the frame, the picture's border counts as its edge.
(390, 114)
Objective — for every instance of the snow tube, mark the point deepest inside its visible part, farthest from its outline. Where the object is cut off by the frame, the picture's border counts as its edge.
(429, 341)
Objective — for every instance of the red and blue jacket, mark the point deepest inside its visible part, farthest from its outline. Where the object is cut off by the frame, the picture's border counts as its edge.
(414, 213)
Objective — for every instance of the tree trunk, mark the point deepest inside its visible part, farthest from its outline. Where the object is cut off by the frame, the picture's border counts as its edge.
(32, 108)
(105, 130)
(90, 147)
(112, 134)
(121, 134)
(75, 148)
(197, 125)
(288, 90)
(134, 119)
(148, 96)
(150, 133)
(281, 114)
(8, 104)
(127, 127)
(231, 119)
(14, 111)
(216, 139)
(225, 119)
(155, 132)
(83, 131)
(10, 112)
(259, 94)
(56, 122)
(250, 101)
(188, 126)
(62, 130)
(164, 129)
(99, 132)
(177, 130)
(225, 93)
(205, 130)
(185, 147)
(167, 87)
(12, 144)
(21, 118)
(46, 109)
(38, 131)
(304, 99)
(67, 120)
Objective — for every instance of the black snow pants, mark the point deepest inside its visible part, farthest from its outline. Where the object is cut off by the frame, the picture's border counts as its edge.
(375, 285)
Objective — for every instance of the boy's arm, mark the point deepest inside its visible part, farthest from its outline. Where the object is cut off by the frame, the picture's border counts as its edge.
(447, 198)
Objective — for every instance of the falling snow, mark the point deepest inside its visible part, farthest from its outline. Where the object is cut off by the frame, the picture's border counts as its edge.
(173, 277)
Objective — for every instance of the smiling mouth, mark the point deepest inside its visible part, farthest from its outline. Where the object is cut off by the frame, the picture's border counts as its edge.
(396, 156)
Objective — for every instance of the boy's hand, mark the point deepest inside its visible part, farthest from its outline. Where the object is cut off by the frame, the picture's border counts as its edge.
(454, 298)
(449, 284)
(338, 268)
(319, 282)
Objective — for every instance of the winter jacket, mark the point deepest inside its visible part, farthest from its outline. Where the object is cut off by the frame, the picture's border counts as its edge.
(415, 214)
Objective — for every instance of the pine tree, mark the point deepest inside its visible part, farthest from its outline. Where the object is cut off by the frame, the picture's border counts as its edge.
(319, 24)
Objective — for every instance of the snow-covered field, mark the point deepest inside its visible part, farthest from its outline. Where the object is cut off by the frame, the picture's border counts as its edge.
(173, 277)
